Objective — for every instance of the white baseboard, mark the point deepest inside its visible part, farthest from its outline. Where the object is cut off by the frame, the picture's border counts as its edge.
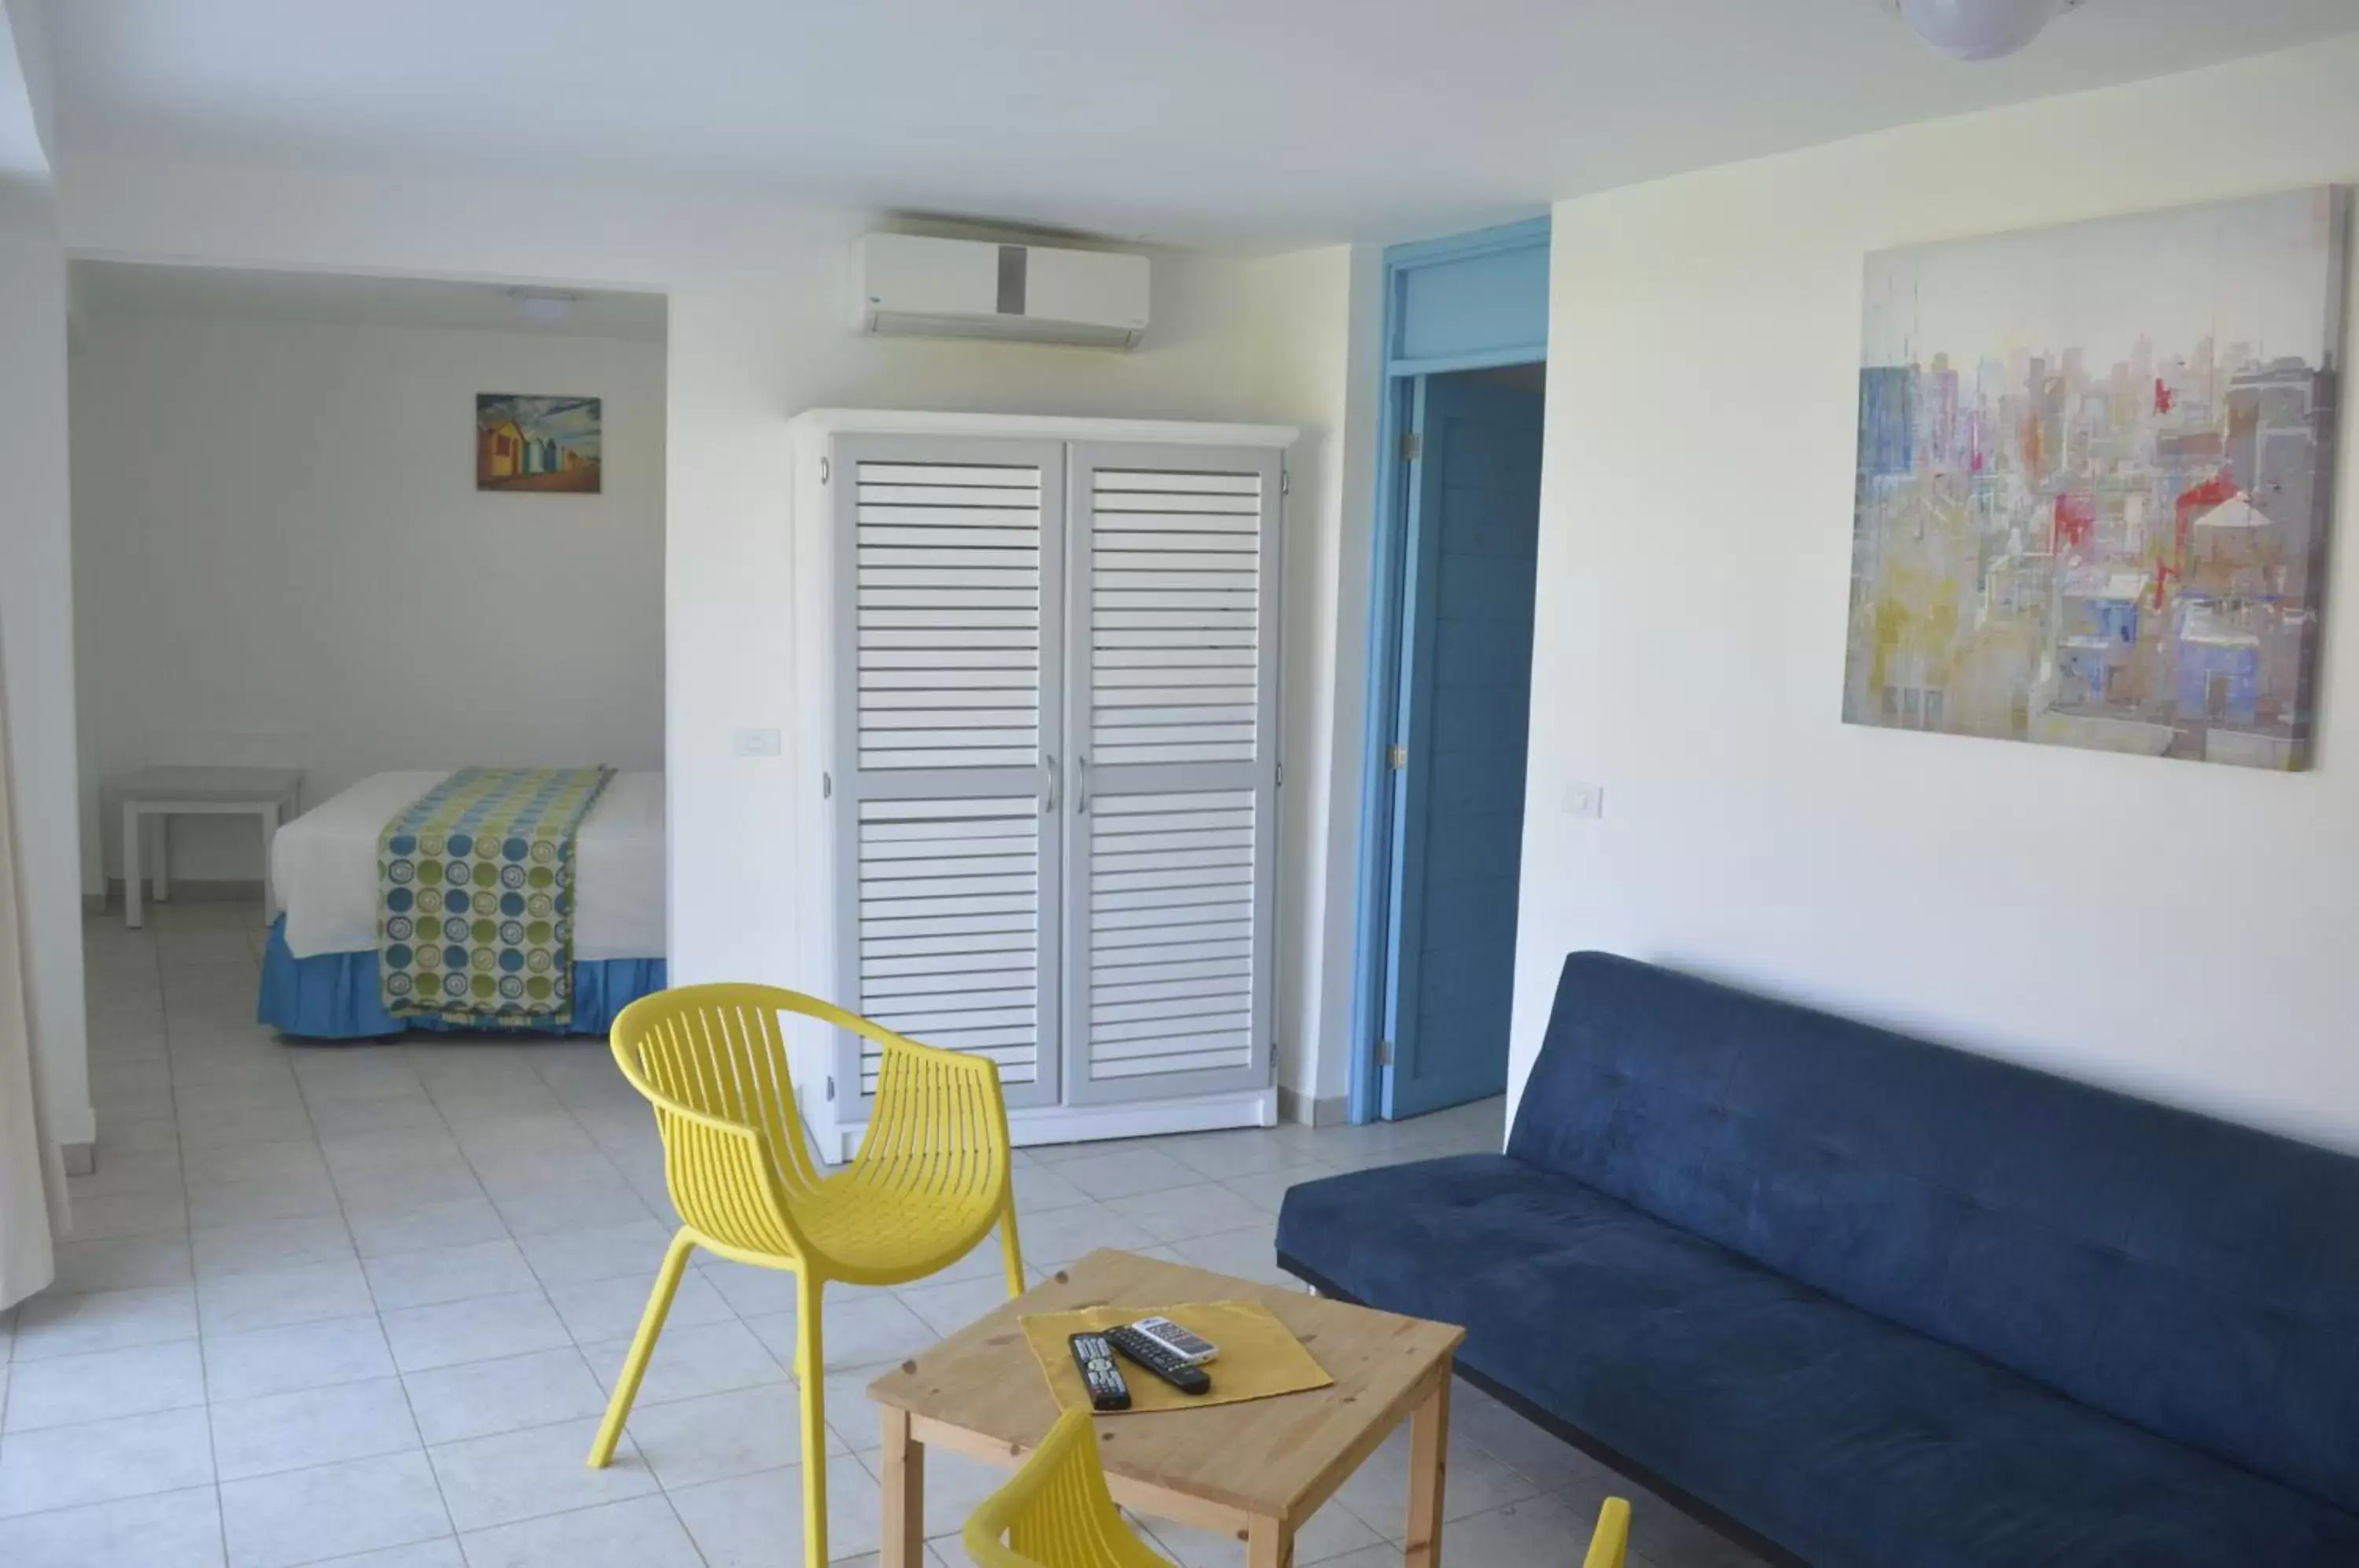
(1083, 1124)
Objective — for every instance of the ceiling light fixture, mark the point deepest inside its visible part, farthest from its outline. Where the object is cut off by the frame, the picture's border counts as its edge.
(1981, 29)
(544, 307)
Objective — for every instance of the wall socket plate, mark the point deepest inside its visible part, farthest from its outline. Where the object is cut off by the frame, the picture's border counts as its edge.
(755, 743)
(1582, 799)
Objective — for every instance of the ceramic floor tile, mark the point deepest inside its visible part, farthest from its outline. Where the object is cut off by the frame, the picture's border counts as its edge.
(1066, 1235)
(596, 1310)
(307, 1356)
(1266, 1190)
(335, 1511)
(169, 1530)
(51, 1325)
(631, 1250)
(256, 1246)
(541, 1470)
(641, 1533)
(121, 1263)
(449, 1274)
(1125, 1173)
(570, 1205)
(1247, 1254)
(1378, 1490)
(752, 1292)
(482, 1397)
(949, 1308)
(315, 1426)
(124, 1457)
(1334, 1531)
(1182, 1213)
(67, 1389)
(757, 1521)
(858, 1331)
(279, 1297)
(719, 1435)
(703, 1358)
(153, 1211)
(458, 1221)
(458, 1331)
(443, 1553)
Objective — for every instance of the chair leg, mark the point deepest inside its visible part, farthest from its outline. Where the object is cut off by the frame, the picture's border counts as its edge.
(1011, 1251)
(635, 1364)
(811, 1370)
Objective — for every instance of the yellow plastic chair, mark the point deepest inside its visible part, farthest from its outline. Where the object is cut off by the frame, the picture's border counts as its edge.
(1057, 1513)
(931, 1179)
(1611, 1544)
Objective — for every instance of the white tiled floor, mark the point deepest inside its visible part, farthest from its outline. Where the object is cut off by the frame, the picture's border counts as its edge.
(361, 1305)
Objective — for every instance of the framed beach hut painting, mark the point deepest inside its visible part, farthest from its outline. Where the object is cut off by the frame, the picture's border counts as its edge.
(2096, 481)
(535, 443)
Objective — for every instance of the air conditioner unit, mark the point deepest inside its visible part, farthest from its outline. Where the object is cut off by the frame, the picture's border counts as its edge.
(911, 286)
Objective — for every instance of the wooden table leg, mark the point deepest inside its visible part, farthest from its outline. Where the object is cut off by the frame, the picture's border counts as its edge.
(1268, 1544)
(1428, 1465)
(904, 1542)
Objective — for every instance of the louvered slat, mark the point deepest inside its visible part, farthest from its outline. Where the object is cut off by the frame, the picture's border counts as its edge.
(1178, 554)
(1160, 998)
(973, 987)
(947, 582)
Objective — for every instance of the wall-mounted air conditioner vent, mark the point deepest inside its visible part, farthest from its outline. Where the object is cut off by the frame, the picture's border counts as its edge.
(912, 285)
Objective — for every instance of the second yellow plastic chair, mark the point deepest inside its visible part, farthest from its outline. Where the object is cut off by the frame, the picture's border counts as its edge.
(1610, 1546)
(1057, 1512)
(930, 1180)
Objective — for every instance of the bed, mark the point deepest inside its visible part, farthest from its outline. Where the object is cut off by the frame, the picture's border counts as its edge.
(320, 972)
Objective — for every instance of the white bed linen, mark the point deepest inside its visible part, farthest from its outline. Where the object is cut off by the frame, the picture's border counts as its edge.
(325, 866)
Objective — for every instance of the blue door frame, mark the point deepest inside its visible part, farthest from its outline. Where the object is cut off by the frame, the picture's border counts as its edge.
(1473, 301)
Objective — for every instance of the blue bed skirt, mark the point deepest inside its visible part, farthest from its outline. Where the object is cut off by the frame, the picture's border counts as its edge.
(334, 996)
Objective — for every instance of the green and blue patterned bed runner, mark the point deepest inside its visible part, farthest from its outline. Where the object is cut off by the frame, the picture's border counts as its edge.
(476, 896)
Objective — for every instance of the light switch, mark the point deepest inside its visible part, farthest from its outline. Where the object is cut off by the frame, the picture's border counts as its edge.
(1584, 800)
(757, 743)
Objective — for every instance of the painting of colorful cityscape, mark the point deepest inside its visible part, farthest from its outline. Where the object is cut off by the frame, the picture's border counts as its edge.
(538, 444)
(2096, 481)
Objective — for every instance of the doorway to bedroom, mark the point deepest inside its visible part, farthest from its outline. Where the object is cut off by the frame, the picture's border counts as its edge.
(1450, 662)
(336, 538)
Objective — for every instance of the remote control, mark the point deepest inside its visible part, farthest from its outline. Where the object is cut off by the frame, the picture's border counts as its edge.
(1160, 1360)
(1095, 1356)
(1185, 1343)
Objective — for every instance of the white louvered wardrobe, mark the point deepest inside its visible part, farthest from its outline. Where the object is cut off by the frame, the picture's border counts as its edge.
(1036, 727)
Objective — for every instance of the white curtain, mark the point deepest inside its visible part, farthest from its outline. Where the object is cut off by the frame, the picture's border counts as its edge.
(32, 1173)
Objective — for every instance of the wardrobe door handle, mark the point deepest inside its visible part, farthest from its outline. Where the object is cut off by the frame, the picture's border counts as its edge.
(1048, 806)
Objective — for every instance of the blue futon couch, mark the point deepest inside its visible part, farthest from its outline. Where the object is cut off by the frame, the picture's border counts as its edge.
(1868, 1302)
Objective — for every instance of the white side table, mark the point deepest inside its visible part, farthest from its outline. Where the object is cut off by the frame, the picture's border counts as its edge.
(273, 794)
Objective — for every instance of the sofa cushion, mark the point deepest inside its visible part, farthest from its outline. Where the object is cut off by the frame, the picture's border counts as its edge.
(2198, 1278)
(1847, 1438)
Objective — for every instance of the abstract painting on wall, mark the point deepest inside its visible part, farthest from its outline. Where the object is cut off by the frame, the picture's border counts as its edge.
(538, 443)
(2095, 481)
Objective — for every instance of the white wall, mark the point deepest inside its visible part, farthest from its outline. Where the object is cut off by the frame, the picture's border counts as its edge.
(264, 508)
(760, 303)
(2063, 908)
(1316, 322)
(37, 645)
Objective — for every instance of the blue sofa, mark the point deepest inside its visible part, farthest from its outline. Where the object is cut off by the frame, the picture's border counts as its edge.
(1869, 1302)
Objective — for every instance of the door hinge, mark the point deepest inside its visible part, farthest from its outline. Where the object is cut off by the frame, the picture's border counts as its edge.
(823, 471)
(1285, 482)
(827, 786)
(1280, 780)
(1399, 757)
(830, 1086)
(1412, 446)
(1383, 1053)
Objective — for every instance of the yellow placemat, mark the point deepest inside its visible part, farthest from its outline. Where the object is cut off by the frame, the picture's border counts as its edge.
(1259, 1356)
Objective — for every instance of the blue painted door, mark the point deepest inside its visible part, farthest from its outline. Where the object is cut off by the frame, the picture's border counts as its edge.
(1461, 730)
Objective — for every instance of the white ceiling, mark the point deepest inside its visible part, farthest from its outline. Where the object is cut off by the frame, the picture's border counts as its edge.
(1251, 124)
(136, 288)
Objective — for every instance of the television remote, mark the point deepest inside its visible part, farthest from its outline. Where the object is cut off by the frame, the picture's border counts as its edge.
(1160, 1360)
(1095, 1356)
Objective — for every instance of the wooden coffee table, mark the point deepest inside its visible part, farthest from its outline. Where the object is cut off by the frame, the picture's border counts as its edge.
(1255, 1470)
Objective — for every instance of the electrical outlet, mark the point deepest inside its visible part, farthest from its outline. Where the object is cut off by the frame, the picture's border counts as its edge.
(755, 743)
(1584, 800)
